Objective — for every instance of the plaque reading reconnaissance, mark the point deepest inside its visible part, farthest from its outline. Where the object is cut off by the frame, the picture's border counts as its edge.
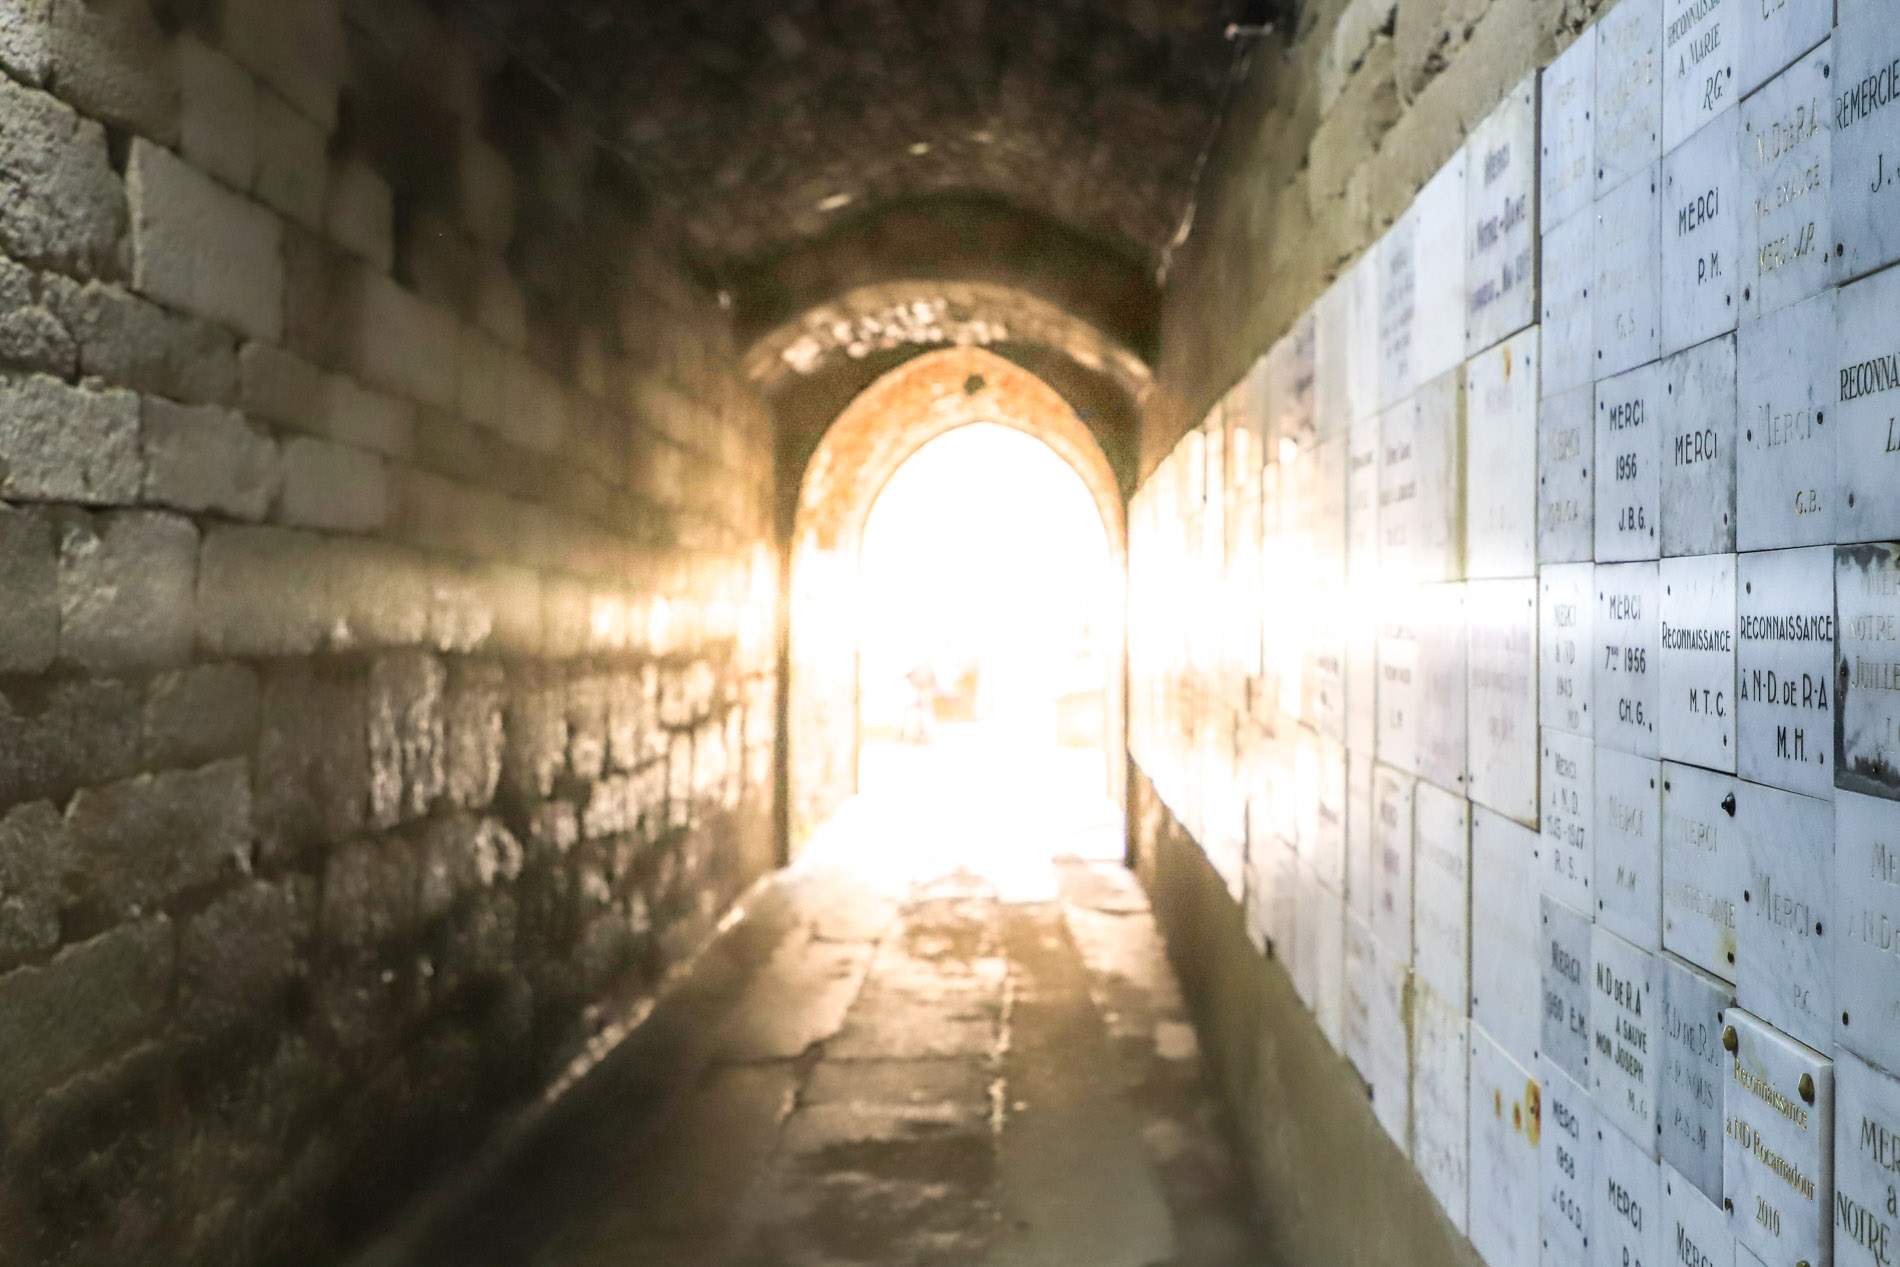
(1778, 1133)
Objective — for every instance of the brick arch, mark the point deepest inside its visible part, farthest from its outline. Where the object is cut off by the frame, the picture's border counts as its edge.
(877, 433)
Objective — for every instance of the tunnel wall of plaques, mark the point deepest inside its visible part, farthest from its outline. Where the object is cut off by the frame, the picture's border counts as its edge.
(1520, 641)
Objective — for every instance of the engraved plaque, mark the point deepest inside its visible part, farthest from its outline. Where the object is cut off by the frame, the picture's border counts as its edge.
(1438, 329)
(1398, 302)
(1363, 345)
(1327, 944)
(1440, 1134)
(1626, 305)
(1698, 57)
(1866, 1157)
(1390, 1074)
(1628, 846)
(1702, 211)
(1775, 34)
(1704, 860)
(1442, 889)
(1566, 1162)
(1392, 793)
(1626, 1218)
(1360, 815)
(1506, 1122)
(1778, 1151)
(1867, 915)
(1356, 998)
(1624, 1072)
(1323, 835)
(1784, 947)
(1501, 460)
(1566, 492)
(1362, 499)
(1698, 660)
(1698, 447)
(1362, 667)
(1628, 637)
(1629, 91)
(1629, 448)
(1785, 668)
(1442, 643)
(1332, 359)
(1399, 688)
(1294, 373)
(1786, 230)
(1693, 1224)
(1867, 624)
(1865, 154)
(1567, 274)
(1865, 419)
(1567, 181)
(1567, 650)
(1690, 1098)
(1566, 976)
(1399, 475)
(1784, 466)
(1569, 798)
(1438, 546)
(1502, 697)
(1501, 220)
(1506, 985)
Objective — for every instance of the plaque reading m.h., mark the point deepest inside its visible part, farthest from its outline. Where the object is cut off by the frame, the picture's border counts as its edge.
(1784, 679)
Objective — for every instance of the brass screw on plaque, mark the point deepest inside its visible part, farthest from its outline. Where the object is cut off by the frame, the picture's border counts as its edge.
(1806, 1087)
(1730, 1039)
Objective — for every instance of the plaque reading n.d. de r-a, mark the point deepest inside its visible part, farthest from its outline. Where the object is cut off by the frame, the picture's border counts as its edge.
(1785, 669)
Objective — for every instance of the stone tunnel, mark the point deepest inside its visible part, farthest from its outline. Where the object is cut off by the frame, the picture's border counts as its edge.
(454, 808)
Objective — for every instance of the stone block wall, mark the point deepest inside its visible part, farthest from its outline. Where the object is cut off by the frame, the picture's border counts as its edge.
(386, 605)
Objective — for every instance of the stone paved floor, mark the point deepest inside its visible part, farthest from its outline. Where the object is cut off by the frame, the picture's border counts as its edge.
(883, 1069)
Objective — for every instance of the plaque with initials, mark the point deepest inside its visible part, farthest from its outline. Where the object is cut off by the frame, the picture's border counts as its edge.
(1568, 863)
(1698, 59)
(1867, 625)
(1362, 499)
(1501, 220)
(1865, 419)
(1363, 345)
(1626, 1220)
(1441, 1069)
(1502, 696)
(1777, 33)
(1506, 1122)
(1865, 152)
(1701, 233)
(1566, 493)
(1567, 272)
(1628, 846)
(1629, 636)
(1356, 1001)
(1866, 1156)
(1703, 864)
(1506, 985)
(1323, 659)
(1567, 650)
(1438, 328)
(1786, 230)
(1629, 450)
(1359, 818)
(1442, 641)
(1296, 372)
(1323, 835)
(1784, 945)
(1399, 691)
(1784, 669)
(1625, 1074)
(1867, 915)
(1566, 1165)
(1698, 446)
(1501, 459)
(1784, 466)
(1778, 1143)
(1398, 309)
(1392, 796)
(1391, 1056)
(1567, 181)
(1629, 91)
(1693, 1222)
(1438, 545)
(1442, 889)
(1690, 1099)
(1399, 475)
(1566, 982)
(1698, 660)
(1626, 306)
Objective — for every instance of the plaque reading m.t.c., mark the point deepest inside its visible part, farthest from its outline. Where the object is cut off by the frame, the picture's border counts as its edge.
(1698, 660)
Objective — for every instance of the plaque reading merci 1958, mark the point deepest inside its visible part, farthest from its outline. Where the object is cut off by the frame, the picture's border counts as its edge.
(1566, 1164)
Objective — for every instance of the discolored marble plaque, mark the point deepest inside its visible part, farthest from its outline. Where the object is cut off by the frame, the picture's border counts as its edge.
(1392, 798)
(1567, 179)
(1698, 660)
(1441, 1061)
(1566, 1162)
(1357, 986)
(1866, 1159)
(1438, 545)
(1506, 1123)
(1566, 276)
(1701, 234)
(1322, 784)
(1500, 163)
(1628, 846)
(1628, 92)
(1325, 941)
(1704, 860)
(1502, 696)
(1784, 669)
(1442, 644)
(1867, 918)
(1506, 985)
(1441, 881)
(1689, 1100)
(1778, 1153)
(1865, 417)
(1501, 459)
(1399, 694)
(1628, 643)
(1564, 937)
(1567, 862)
(1785, 391)
(1699, 51)
(1626, 306)
(1786, 229)
(1567, 651)
(1390, 1072)
(1867, 629)
(1625, 1075)
(1399, 476)
(1566, 489)
(1784, 947)
(1698, 450)
(1438, 330)
(1629, 455)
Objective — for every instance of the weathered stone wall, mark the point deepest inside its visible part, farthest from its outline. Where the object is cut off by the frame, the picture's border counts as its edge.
(385, 615)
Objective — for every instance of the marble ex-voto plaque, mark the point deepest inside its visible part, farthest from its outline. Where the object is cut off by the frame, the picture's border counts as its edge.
(1866, 1164)
(1698, 450)
(1441, 1062)
(1567, 651)
(1567, 178)
(1398, 680)
(1566, 1164)
(1502, 696)
(1778, 1149)
(1690, 1098)
(1363, 345)
(1567, 863)
(1784, 669)
(1501, 460)
(1701, 235)
(1389, 1069)
(1784, 465)
(1501, 220)
(1624, 1070)
(1506, 1124)
(1629, 92)
(1438, 547)
(1626, 1219)
(1786, 230)
(1441, 882)
(1566, 489)
(1629, 640)
(1867, 918)
(1567, 276)
(1867, 625)
(1362, 500)
(1628, 847)
(1695, 1228)
(1865, 419)
(1442, 641)
(1698, 660)
(1358, 985)
(1704, 859)
(1506, 984)
(1438, 329)
(1777, 33)
(1332, 352)
(1627, 300)
(1784, 945)
(1565, 1017)
(1398, 309)
(1322, 931)
(1699, 48)
(1360, 816)
(1629, 452)
(1392, 798)
(1399, 478)
(1320, 775)
(1865, 175)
